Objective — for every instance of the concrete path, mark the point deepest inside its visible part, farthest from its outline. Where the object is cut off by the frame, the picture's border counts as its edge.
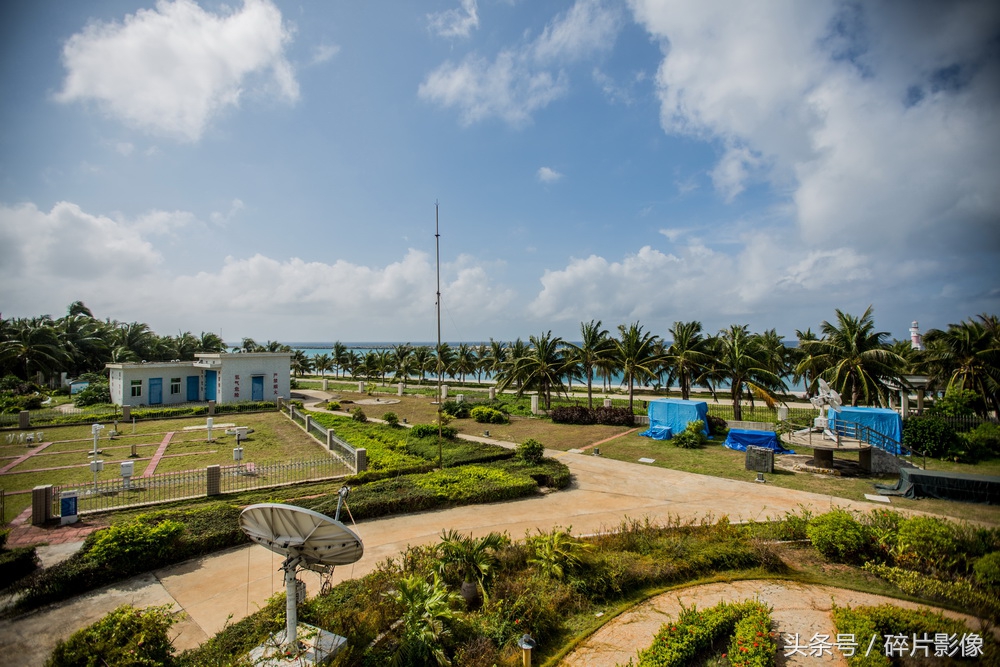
(227, 586)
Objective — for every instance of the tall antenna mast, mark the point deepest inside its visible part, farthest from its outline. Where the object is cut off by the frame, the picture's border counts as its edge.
(437, 247)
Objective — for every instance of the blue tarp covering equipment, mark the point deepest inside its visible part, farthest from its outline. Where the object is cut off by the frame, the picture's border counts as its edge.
(739, 439)
(885, 427)
(671, 415)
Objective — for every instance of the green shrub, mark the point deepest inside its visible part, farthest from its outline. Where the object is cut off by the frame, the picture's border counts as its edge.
(133, 544)
(679, 643)
(753, 642)
(125, 637)
(531, 451)
(839, 536)
(925, 543)
(16, 564)
(964, 593)
(983, 441)
(431, 431)
(455, 409)
(987, 569)
(692, 437)
(614, 416)
(931, 435)
(717, 425)
(358, 415)
(95, 393)
(862, 628)
(573, 414)
(485, 415)
(391, 418)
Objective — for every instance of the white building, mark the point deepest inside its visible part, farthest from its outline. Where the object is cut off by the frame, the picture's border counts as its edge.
(220, 377)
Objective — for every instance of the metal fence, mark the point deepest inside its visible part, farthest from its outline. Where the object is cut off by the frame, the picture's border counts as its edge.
(351, 456)
(961, 424)
(68, 415)
(167, 487)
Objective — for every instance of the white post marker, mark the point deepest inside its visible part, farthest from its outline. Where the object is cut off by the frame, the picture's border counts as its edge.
(208, 426)
(96, 430)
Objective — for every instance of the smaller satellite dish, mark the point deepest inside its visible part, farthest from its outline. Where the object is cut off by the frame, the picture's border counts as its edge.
(824, 388)
(835, 401)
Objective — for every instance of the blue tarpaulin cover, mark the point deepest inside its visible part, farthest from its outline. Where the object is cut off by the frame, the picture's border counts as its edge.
(882, 421)
(739, 439)
(671, 415)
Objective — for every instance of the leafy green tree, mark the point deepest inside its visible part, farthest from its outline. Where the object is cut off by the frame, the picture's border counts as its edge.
(595, 345)
(301, 363)
(465, 361)
(211, 343)
(339, 355)
(687, 356)
(634, 351)
(322, 363)
(445, 363)
(541, 369)
(967, 356)
(857, 360)
(30, 346)
(742, 360)
(424, 360)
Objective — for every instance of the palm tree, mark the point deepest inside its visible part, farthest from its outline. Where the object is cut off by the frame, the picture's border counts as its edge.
(383, 363)
(465, 361)
(426, 615)
(301, 364)
(323, 363)
(85, 342)
(474, 557)
(250, 345)
(32, 345)
(967, 356)
(806, 368)
(495, 359)
(634, 353)
(136, 337)
(423, 361)
(445, 360)
(515, 350)
(78, 308)
(184, 346)
(339, 356)
(352, 362)
(482, 351)
(211, 343)
(687, 356)
(555, 552)
(594, 346)
(540, 369)
(743, 360)
(857, 360)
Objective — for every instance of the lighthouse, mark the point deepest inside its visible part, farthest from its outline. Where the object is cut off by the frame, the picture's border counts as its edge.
(916, 340)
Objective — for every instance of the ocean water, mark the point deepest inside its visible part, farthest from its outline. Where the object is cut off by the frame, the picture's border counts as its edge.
(313, 349)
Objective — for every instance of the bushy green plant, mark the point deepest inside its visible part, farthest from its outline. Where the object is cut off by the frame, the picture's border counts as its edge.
(839, 536)
(573, 414)
(925, 543)
(679, 643)
(930, 435)
(358, 415)
(485, 415)
(981, 600)
(692, 437)
(455, 409)
(133, 543)
(531, 451)
(431, 431)
(983, 441)
(125, 637)
(987, 569)
(753, 642)
(16, 563)
(95, 393)
(614, 416)
(717, 425)
(391, 418)
(956, 402)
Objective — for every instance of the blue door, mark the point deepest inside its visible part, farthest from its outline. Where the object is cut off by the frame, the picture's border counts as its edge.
(192, 391)
(257, 388)
(155, 391)
(210, 385)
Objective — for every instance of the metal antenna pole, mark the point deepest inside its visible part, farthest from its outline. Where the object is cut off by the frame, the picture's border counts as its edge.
(437, 248)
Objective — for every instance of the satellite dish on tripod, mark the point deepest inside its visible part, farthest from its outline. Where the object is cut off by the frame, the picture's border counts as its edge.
(308, 540)
(826, 398)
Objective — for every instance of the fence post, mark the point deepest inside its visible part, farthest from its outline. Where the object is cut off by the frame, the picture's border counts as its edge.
(41, 505)
(361, 461)
(24, 419)
(211, 408)
(534, 404)
(307, 423)
(329, 439)
(213, 480)
(126, 413)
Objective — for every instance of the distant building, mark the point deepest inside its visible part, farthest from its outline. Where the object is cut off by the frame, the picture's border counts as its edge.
(220, 377)
(916, 340)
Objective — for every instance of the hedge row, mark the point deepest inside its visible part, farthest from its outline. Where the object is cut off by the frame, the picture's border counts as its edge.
(579, 414)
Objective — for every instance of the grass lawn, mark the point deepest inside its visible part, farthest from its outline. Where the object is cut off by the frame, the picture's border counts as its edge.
(275, 439)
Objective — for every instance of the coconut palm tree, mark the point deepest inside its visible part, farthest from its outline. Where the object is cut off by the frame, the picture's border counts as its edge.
(136, 337)
(541, 369)
(634, 351)
(495, 359)
(445, 360)
(323, 363)
(211, 343)
(31, 345)
(967, 356)
(424, 625)
(301, 363)
(85, 342)
(687, 356)
(857, 360)
(743, 360)
(465, 361)
(556, 551)
(805, 366)
(339, 355)
(423, 361)
(595, 345)
(473, 557)
(482, 351)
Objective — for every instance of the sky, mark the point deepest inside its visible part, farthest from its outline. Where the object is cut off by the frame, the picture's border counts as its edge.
(275, 169)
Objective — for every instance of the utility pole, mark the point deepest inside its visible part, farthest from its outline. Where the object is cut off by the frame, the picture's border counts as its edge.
(437, 248)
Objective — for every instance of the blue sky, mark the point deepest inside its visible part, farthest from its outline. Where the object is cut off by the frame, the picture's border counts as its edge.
(270, 169)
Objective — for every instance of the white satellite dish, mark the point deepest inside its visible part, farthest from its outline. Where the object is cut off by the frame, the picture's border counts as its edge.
(829, 398)
(307, 539)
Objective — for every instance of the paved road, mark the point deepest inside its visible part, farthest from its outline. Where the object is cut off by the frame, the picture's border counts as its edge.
(231, 584)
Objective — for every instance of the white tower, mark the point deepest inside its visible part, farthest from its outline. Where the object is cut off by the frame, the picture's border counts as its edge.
(916, 340)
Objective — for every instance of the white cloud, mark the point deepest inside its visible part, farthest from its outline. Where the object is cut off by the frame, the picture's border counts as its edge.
(876, 121)
(524, 78)
(459, 22)
(172, 69)
(220, 218)
(324, 52)
(548, 175)
(124, 148)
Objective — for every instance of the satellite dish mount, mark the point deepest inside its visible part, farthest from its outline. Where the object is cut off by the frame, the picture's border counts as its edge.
(308, 540)
(827, 398)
